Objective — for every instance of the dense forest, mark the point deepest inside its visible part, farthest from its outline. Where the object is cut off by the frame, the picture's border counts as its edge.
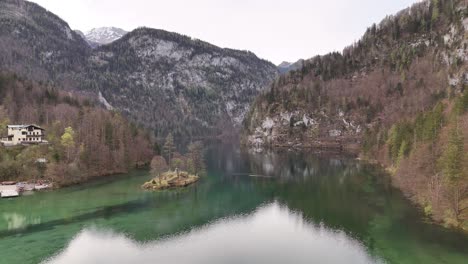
(399, 94)
(85, 140)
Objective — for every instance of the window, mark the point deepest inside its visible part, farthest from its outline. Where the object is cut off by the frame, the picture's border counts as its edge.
(23, 133)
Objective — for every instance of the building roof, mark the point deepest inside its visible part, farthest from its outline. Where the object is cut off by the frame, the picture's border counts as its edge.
(25, 126)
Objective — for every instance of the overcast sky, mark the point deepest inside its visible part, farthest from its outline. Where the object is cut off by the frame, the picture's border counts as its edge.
(276, 30)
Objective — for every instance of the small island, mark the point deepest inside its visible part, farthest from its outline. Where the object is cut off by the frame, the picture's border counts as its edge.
(174, 170)
(171, 179)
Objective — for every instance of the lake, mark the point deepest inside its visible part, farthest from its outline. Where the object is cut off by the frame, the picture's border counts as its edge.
(275, 207)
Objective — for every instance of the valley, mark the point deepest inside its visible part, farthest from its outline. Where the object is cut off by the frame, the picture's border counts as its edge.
(161, 147)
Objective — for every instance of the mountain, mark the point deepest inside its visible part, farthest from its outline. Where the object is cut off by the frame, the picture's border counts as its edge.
(37, 43)
(103, 35)
(393, 96)
(165, 81)
(381, 78)
(171, 82)
(285, 66)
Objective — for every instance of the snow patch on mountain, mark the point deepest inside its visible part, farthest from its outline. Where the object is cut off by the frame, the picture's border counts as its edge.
(104, 35)
(103, 101)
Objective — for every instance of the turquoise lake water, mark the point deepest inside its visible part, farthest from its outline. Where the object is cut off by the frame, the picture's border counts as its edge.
(276, 207)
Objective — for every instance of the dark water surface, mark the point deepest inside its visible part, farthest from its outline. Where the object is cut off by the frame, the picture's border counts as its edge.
(251, 208)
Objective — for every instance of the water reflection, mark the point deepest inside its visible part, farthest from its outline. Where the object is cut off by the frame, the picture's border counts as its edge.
(300, 167)
(229, 217)
(16, 221)
(272, 234)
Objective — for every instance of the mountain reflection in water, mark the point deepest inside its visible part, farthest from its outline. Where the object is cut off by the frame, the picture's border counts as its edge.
(272, 234)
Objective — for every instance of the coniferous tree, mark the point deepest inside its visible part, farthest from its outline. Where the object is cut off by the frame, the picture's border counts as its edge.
(452, 167)
(195, 156)
(169, 148)
(435, 10)
(403, 151)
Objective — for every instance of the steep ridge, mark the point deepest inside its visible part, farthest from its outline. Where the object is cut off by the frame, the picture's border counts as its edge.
(37, 43)
(171, 82)
(399, 68)
(394, 96)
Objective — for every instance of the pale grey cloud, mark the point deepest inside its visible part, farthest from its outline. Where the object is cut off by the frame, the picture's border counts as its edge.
(276, 30)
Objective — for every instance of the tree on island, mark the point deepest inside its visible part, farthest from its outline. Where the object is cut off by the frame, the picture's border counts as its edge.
(196, 163)
(169, 148)
(158, 165)
(183, 170)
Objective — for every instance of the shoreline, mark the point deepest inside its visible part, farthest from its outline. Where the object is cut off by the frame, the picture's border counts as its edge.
(55, 185)
(358, 156)
(411, 196)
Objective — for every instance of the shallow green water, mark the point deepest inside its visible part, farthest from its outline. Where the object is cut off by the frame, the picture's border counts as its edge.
(299, 208)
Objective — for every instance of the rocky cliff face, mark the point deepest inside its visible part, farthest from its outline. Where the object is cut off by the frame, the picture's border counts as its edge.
(164, 81)
(401, 67)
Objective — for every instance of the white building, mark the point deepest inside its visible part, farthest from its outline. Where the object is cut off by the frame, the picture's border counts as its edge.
(24, 134)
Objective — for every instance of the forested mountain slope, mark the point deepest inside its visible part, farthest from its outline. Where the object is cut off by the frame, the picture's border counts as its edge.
(85, 140)
(387, 96)
(162, 80)
(38, 44)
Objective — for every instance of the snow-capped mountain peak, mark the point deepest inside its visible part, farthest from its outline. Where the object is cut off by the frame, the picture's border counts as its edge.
(104, 35)
(284, 64)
